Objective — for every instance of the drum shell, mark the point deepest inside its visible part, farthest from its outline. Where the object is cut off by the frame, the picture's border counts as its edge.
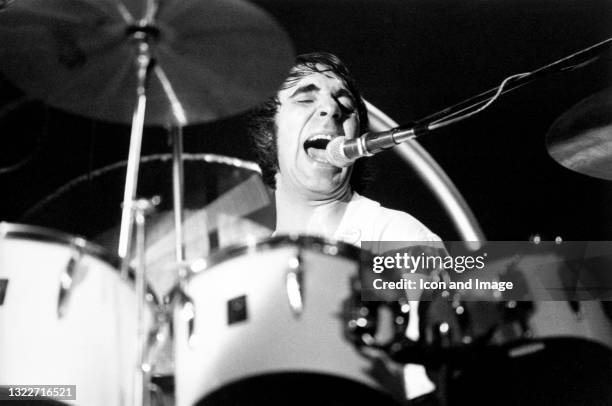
(482, 312)
(584, 319)
(273, 338)
(93, 345)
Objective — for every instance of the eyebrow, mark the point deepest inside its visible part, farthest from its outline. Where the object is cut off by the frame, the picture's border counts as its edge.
(314, 88)
(305, 89)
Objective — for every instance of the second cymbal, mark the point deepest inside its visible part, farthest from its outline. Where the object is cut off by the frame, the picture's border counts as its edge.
(581, 139)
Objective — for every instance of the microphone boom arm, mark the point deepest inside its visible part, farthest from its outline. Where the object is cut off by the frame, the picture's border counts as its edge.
(485, 99)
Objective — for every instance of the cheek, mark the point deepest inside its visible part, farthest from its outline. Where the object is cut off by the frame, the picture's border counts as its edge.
(286, 144)
(288, 138)
(287, 149)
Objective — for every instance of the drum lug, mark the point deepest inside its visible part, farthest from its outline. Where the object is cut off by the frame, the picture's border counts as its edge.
(188, 314)
(294, 284)
(67, 280)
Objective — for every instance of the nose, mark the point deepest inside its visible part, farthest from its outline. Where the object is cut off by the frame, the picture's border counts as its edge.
(330, 107)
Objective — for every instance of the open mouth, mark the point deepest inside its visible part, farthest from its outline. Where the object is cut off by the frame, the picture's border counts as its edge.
(315, 147)
(316, 143)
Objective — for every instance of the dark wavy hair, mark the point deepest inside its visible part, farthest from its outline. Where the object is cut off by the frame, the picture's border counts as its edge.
(262, 124)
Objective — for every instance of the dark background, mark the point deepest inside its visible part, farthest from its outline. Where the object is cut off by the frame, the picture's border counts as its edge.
(411, 58)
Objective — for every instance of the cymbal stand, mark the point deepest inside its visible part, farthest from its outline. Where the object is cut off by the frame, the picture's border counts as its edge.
(176, 131)
(178, 193)
(135, 210)
(144, 63)
(142, 376)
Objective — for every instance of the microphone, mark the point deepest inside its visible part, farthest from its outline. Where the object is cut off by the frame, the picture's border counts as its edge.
(342, 152)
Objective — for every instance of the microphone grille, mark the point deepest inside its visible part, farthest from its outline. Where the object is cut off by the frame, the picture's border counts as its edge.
(335, 153)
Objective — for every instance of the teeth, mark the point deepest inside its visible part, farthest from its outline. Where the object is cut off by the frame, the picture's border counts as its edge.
(327, 137)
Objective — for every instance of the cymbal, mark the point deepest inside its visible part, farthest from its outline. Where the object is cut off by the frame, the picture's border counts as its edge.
(581, 139)
(221, 57)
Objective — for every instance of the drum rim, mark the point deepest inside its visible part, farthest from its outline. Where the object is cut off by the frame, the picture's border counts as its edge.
(165, 157)
(51, 235)
(320, 244)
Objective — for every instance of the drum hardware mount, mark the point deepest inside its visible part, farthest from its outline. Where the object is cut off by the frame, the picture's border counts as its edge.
(294, 283)
(179, 298)
(188, 313)
(67, 278)
(362, 320)
(3, 287)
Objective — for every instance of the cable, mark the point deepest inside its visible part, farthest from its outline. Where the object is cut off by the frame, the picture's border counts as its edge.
(448, 120)
(568, 63)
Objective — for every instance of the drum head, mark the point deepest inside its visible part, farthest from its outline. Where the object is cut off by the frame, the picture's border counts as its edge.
(225, 199)
(297, 389)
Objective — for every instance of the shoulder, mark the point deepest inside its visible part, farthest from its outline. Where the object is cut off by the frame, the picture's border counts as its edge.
(390, 225)
(395, 225)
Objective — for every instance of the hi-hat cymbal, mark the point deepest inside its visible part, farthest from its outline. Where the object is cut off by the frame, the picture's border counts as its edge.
(581, 139)
(221, 56)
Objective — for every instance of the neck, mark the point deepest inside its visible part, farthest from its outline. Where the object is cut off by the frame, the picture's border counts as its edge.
(296, 213)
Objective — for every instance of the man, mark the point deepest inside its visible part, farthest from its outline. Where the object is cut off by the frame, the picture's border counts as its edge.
(319, 101)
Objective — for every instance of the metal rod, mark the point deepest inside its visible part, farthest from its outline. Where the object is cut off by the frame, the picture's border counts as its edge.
(142, 373)
(178, 180)
(139, 372)
(125, 235)
(178, 194)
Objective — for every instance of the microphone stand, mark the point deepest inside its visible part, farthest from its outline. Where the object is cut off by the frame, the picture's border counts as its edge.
(387, 139)
(574, 61)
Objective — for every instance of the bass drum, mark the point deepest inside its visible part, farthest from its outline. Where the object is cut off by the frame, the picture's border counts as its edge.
(265, 324)
(529, 352)
(484, 316)
(67, 316)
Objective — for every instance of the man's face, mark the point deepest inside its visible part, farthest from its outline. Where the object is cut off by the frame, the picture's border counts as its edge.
(317, 108)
